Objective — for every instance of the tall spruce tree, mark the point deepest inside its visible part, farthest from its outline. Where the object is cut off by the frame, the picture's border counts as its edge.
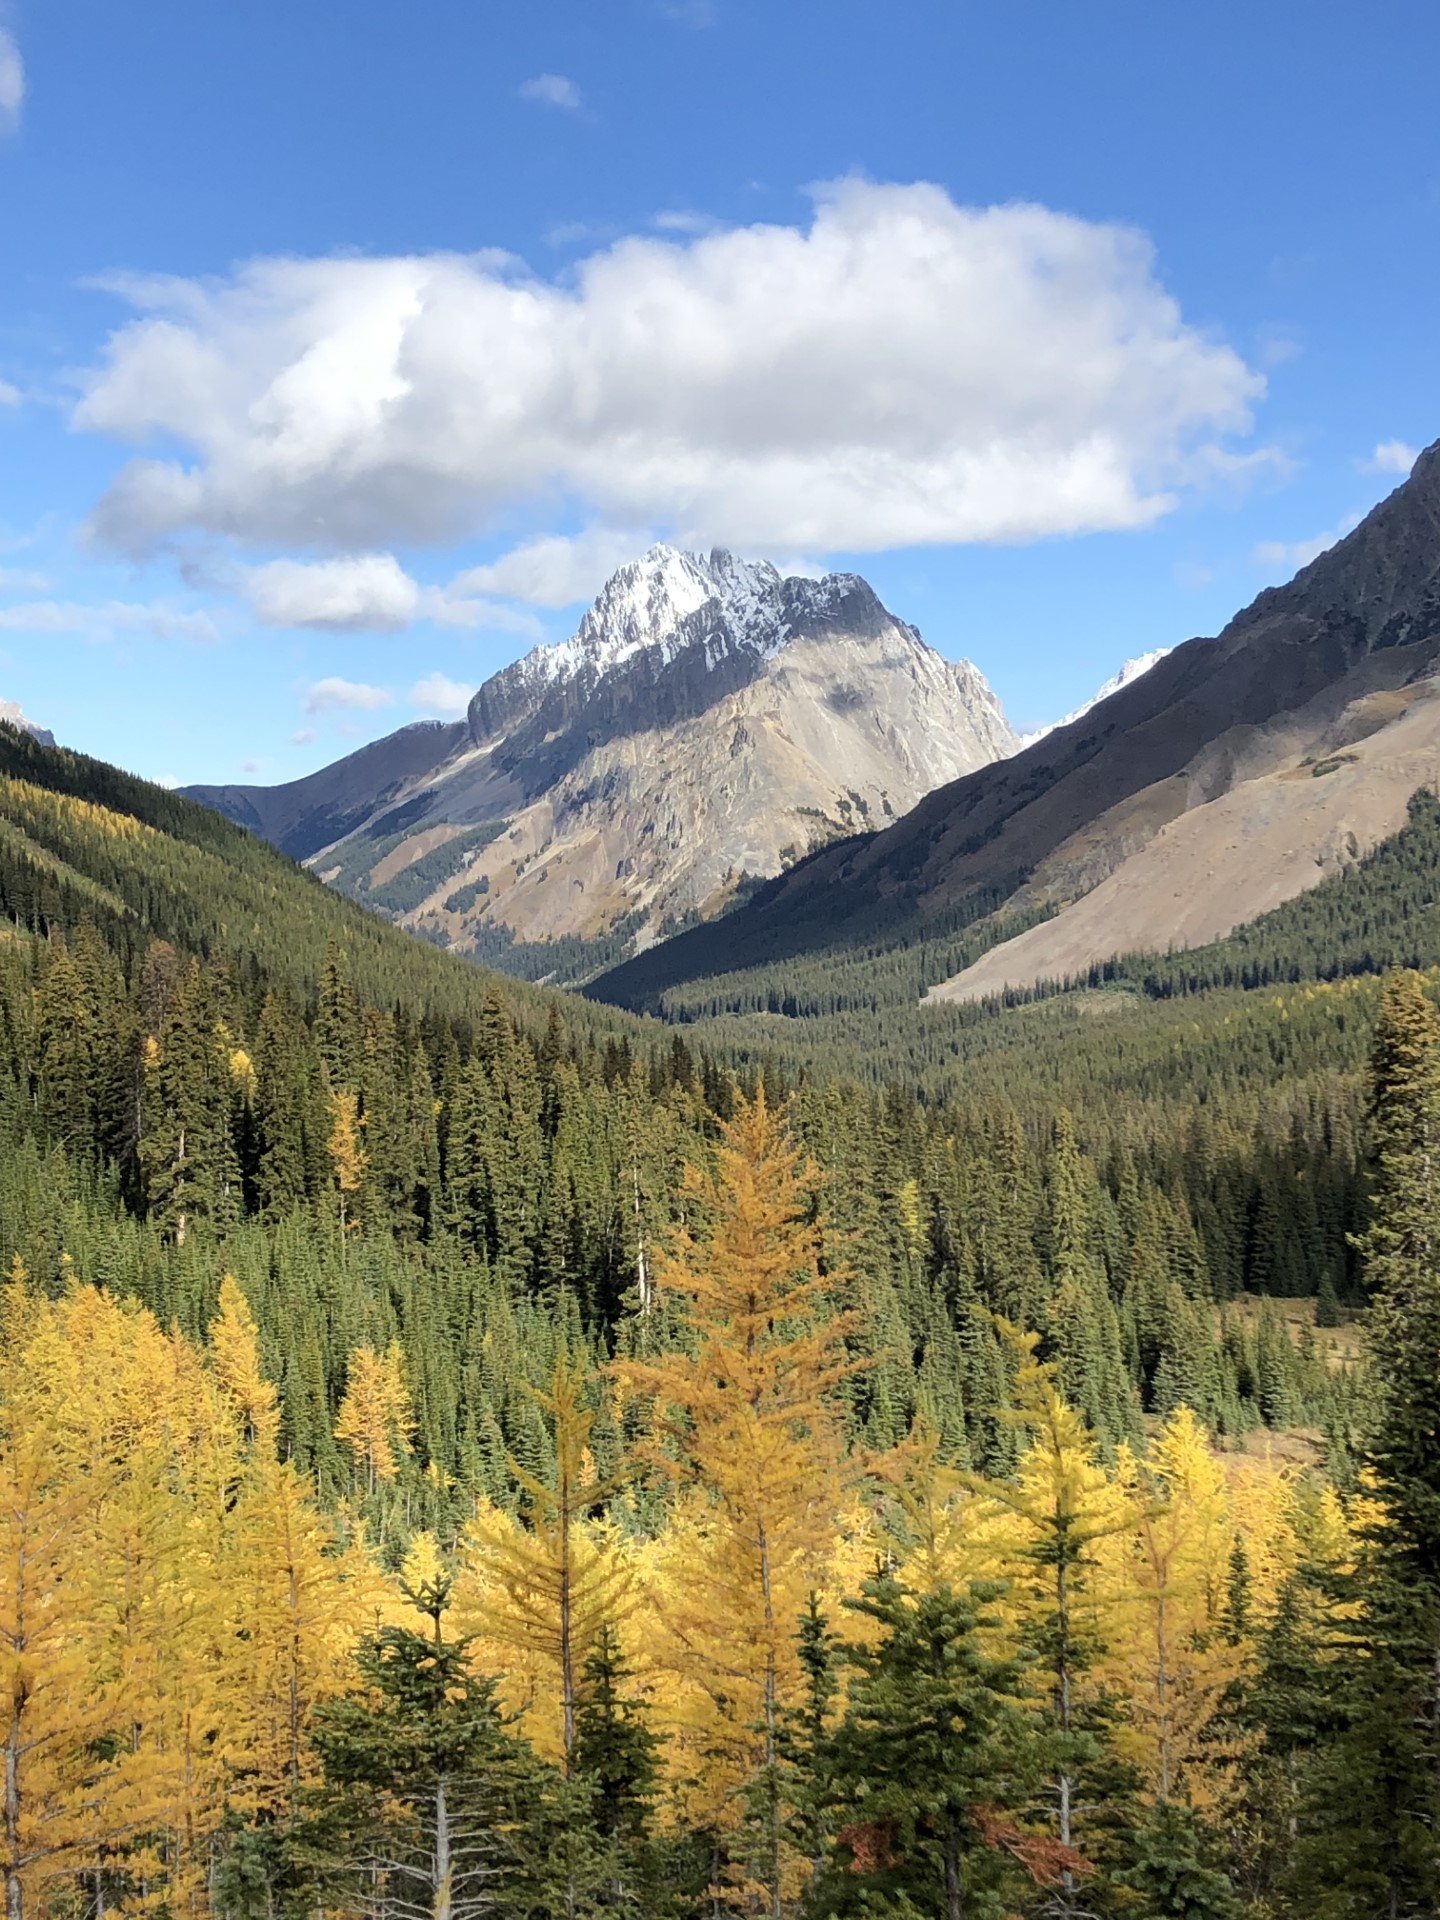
(933, 1741)
(1374, 1843)
(431, 1804)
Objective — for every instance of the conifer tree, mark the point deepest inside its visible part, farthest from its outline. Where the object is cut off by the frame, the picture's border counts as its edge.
(1380, 1845)
(548, 1586)
(1065, 1505)
(375, 1419)
(337, 1021)
(616, 1764)
(428, 1799)
(750, 1427)
(347, 1156)
(187, 1150)
(933, 1742)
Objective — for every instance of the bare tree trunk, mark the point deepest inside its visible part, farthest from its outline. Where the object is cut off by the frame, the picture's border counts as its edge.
(1063, 1714)
(443, 1868)
(14, 1890)
(954, 1888)
(772, 1796)
(642, 1271)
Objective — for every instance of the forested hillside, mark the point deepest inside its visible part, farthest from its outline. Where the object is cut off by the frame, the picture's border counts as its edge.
(81, 840)
(467, 1452)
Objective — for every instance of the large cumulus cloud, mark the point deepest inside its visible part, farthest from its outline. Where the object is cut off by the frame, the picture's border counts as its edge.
(901, 370)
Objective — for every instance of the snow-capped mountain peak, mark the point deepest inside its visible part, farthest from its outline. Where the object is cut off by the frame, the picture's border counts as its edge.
(1131, 670)
(648, 602)
(13, 715)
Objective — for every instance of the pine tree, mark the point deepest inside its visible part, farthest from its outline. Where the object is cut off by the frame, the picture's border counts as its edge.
(1173, 1872)
(933, 1742)
(1065, 1506)
(805, 1735)
(615, 1762)
(1382, 1844)
(428, 1799)
(187, 1150)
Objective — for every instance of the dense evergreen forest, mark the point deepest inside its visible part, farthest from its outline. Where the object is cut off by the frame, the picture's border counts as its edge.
(465, 1451)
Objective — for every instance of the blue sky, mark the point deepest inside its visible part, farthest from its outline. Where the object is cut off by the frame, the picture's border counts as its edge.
(343, 345)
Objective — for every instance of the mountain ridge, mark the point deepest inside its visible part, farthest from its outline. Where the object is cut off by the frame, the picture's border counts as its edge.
(1299, 671)
(708, 722)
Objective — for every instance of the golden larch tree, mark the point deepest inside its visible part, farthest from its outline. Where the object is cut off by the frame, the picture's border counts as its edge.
(375, 1418)
(1064, 1504)
(746, 1421)
(546, 1587)
(347, 1155)
(1172, 1663)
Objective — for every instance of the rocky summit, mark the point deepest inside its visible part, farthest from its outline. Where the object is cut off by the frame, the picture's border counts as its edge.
(711, 722)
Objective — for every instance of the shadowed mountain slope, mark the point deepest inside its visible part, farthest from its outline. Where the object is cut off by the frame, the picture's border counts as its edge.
(1305, 674)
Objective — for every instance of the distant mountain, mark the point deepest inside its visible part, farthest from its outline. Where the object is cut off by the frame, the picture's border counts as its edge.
(1131, 670)
(1229, 776)
(12, 716)
(709, 724)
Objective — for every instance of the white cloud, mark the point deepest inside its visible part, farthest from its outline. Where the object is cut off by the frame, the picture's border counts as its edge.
(1288, 556)
(346, 696)
(555, 571)
(108, 619)
(252, 766)
(900, 371)
(552, 90)
(1391, 456)
(12, 83)
(696, 14)
(458, 606)
(447, 699)
(570, 233)
(15, 715)
(303, 737)
(20, 580)
(9, 396)
(680, 220)
(365, 591)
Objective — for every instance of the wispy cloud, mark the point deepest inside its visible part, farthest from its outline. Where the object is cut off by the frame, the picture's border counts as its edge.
(1391, 456)
(556, 570)
(1289, 556)
(695, 14)
(346, 696)
(12, 83)
(683, 220)
(108, 619)
(9, 396)
(364, 592)
(439, 695)
(552, 90)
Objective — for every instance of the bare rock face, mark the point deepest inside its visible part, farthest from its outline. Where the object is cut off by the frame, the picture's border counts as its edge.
(710, 723)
